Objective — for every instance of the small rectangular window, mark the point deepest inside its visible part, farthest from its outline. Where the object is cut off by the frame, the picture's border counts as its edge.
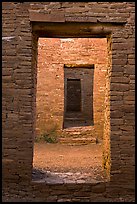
(73, 95)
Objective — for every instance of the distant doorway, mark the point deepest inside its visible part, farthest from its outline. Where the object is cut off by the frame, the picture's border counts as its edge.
(78, 95)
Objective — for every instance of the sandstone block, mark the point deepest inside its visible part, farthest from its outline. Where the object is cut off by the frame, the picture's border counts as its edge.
(116, 114)
(119, 87)
(116, 121)
(119, 61)
(99, 188)
(120, 79)
(55, 17)
(131, 61)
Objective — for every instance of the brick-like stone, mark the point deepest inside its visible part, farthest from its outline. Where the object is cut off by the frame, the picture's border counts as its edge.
(121, 46)
(114, 20)
(99, 188)
(117, 121)
(116, 114)
(119, 87)
(40, 17)
(120, 61)
(120, 79)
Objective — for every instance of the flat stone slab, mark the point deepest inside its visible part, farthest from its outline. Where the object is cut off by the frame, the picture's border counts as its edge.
(67, 177)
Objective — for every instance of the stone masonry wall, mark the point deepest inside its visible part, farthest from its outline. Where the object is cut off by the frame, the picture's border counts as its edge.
(53, 53)
(115, 20)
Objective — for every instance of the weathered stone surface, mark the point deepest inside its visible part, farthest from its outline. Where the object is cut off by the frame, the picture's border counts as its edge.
(119, 87)
(40, 17)
(98, 188)
(19, 51)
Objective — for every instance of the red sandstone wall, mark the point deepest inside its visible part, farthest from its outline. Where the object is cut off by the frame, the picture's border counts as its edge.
(53, 53)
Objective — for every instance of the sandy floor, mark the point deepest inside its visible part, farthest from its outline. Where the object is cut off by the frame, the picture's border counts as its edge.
(82, 160)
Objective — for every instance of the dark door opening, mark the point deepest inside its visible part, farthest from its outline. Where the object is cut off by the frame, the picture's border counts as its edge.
(73, 95)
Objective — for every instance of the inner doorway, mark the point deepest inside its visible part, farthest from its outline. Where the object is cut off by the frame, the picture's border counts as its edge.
(78, 95)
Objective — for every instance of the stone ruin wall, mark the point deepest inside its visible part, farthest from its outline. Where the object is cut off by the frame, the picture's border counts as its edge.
(18, 97)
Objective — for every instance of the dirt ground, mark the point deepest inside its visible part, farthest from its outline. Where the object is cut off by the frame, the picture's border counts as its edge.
(63, 158)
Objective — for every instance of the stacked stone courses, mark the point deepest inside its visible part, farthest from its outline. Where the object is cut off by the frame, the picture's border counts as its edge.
(21, 24)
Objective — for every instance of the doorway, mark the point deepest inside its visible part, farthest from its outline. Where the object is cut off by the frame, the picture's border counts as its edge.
(57, 76)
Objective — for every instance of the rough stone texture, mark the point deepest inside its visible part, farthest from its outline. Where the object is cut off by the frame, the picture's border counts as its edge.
(19, 48)
(53, 53)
